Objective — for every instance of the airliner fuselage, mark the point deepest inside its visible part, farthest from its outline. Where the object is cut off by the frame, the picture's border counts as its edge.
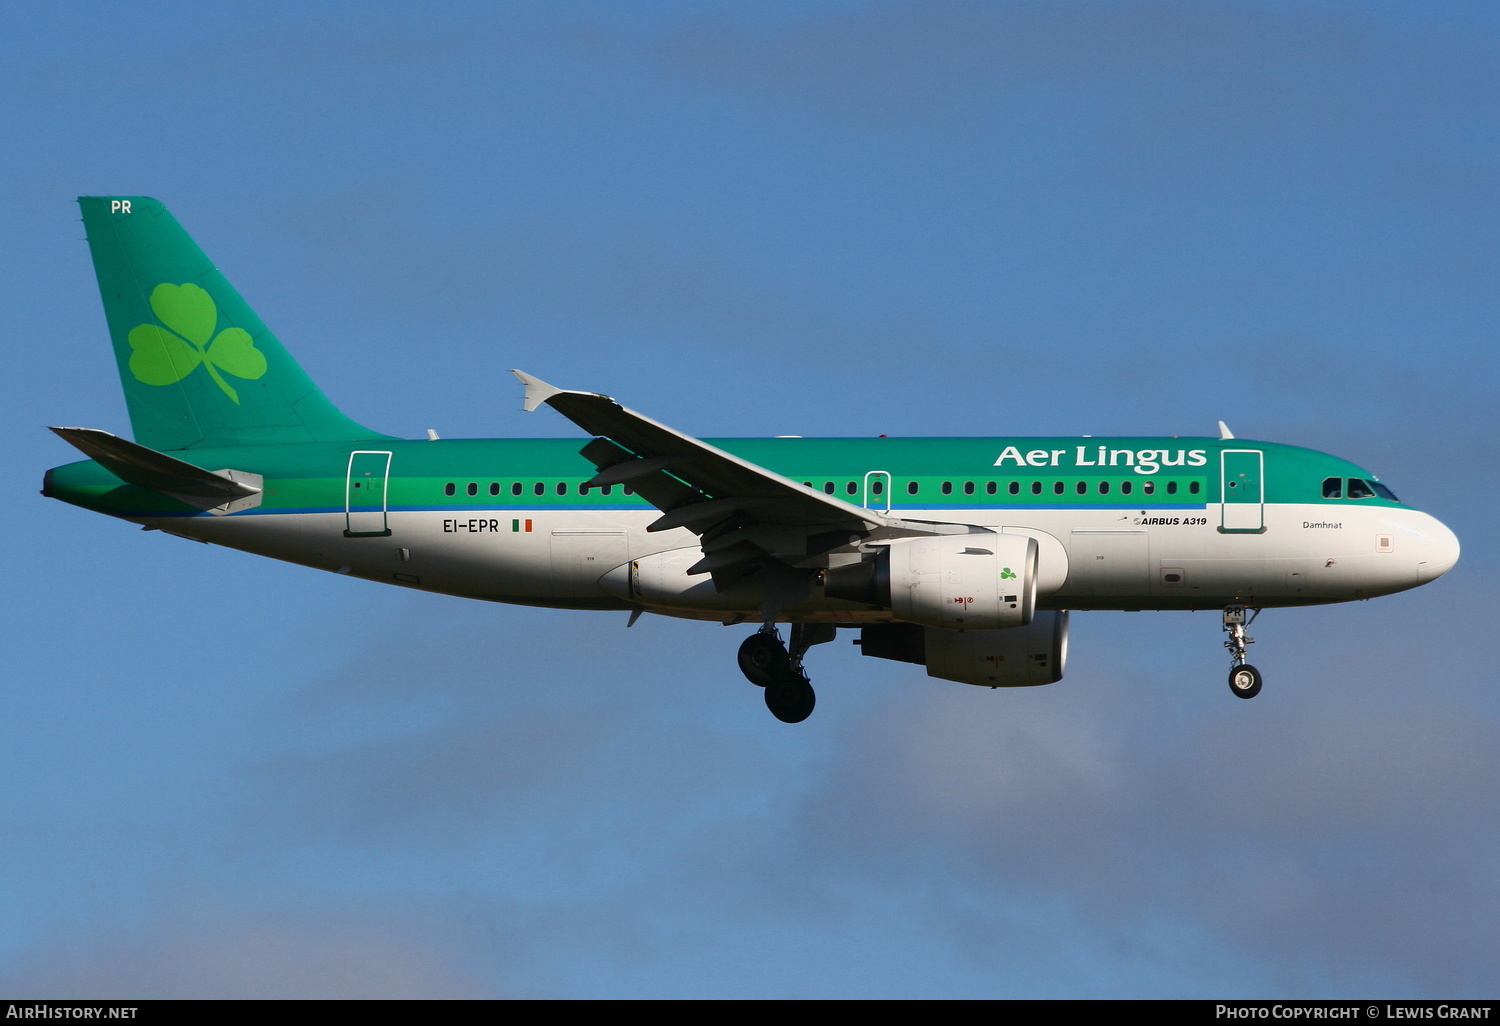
(512, 521)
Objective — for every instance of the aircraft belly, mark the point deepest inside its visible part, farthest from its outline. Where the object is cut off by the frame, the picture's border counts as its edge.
(582, 552)
(487, 556)
(1306, 553)
(549, 557)
(1181, 559)
(1353, 552)
(1312, 553)
(1109, 564)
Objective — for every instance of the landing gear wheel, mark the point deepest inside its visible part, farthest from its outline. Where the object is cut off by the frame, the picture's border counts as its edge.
(763, 659)
(791, 698)
(1244, 681)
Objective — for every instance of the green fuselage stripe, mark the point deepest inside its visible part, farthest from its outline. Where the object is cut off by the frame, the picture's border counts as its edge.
(947, 473)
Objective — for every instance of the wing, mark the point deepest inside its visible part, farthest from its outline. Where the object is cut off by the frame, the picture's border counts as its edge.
(746, 517)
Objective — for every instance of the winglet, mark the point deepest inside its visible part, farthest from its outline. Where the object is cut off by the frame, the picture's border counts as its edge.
(537, 390)
(1224, 431)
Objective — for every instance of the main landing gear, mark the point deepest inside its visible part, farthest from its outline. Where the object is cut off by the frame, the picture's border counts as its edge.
(1244, 679)
(767, 663)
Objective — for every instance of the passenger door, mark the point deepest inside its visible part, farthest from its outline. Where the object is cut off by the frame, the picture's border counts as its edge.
(365, 494)
(1242, 490)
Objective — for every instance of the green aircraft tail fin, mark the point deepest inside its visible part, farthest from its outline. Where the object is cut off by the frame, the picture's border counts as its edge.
(198, 367)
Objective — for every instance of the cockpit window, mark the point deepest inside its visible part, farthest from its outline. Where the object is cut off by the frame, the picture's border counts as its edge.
(1359, 489)
(1384, 492)
(1333, 488)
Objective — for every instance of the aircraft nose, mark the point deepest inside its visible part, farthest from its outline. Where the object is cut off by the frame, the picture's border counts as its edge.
(1438, 552)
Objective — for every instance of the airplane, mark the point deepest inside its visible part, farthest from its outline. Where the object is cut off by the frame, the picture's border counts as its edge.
(961, 555)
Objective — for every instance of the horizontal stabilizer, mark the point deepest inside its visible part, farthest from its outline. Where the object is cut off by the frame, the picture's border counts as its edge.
(133, 463)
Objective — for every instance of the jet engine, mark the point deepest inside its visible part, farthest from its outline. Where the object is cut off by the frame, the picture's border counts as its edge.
(1020, 657)
(959, 582)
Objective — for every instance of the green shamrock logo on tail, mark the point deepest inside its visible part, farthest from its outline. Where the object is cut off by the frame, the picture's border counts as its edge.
(163, 357)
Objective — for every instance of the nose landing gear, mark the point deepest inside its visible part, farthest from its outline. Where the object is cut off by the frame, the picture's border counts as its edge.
(766, 662)
(1244, 679)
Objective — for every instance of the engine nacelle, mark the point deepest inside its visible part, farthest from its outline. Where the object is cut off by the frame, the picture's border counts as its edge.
(1020, 657)
(962, 582)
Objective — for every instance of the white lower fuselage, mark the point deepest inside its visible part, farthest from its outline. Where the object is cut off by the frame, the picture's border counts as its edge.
(1087, 559)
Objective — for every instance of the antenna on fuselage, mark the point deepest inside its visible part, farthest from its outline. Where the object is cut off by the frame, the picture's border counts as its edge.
(1224, 431)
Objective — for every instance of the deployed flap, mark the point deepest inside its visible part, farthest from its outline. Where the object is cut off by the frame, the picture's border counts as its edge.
(726, 484)
(213, 490)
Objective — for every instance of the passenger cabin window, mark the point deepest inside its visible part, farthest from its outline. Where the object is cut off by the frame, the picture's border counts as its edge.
(1058, 487)
(562, 488)
(968, 487)
(1171, 487)
(494, 487)
(1333, 488)
(877, 486)
(1015, 488)
(448, 488)
(1103, 487)
(539, 488)
(1082, 487)
(1359, 489)
(851, 488)
(1124, 487)
(947, 488)
(989, 488)
(1149, 487)
(911, 488)
(473, 488)
(1036, 488)
(1194, 486)
(515, 488)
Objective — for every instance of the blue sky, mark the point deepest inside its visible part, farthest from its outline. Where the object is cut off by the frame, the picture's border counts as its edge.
(230, 777)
